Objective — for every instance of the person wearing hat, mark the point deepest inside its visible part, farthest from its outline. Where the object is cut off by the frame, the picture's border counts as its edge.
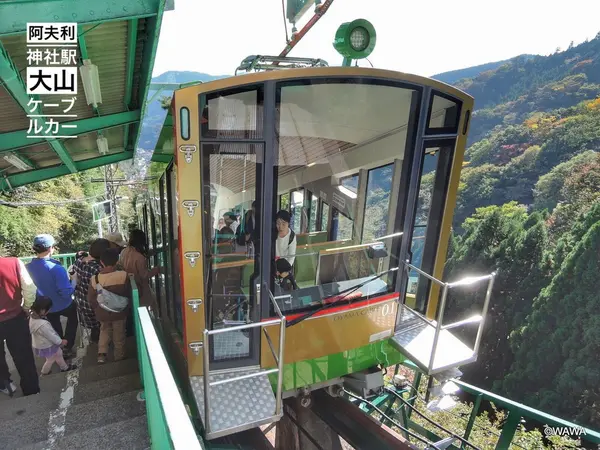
(52, 281)
(116, 241)
(285, 243)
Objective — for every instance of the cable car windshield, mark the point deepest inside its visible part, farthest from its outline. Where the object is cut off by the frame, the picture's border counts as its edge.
(339, 184)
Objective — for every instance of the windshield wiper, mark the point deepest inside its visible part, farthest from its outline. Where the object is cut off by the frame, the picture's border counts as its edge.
(346, 293)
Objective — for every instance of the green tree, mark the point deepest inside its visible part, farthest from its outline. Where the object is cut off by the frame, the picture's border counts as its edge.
(556, 348)
(514, 243)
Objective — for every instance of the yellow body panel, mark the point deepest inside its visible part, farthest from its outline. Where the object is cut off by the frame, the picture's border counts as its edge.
(188, 188)
(332, 333)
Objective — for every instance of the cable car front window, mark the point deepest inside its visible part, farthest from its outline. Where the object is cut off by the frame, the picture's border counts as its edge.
(331, 132)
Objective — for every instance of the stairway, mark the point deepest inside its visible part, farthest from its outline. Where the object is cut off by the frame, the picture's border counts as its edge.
(94, 407)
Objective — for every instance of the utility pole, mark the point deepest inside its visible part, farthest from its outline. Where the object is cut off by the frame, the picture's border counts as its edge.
(110, 189)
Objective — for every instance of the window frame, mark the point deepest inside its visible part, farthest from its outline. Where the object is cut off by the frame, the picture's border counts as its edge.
(453, 130)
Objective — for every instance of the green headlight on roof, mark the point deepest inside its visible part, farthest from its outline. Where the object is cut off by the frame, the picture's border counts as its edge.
(356, 39)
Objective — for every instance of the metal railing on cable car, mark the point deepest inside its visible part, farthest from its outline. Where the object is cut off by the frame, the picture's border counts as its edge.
(279, 357)
(438, 325)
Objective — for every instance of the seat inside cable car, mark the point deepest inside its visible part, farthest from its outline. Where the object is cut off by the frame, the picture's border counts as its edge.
(340, 170)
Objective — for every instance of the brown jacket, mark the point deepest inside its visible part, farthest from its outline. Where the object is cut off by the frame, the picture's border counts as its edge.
(115, 281)
(135, 263)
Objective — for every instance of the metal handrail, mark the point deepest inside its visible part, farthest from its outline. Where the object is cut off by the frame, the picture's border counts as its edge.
(466, 281)
(278, 359)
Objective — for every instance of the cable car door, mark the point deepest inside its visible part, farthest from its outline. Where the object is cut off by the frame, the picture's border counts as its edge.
(232, 156)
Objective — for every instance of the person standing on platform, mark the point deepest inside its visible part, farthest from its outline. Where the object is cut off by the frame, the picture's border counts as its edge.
(17, 294)
(116, 241)
(85, 269)
(52, 281)
(134, 260)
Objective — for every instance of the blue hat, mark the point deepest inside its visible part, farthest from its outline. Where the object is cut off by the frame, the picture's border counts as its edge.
(43, 241)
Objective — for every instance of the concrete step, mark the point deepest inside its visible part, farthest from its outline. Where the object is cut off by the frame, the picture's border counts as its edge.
(130, 434)
(92, 352)
(84, 416)
(108, 379)
(89, 392)
(22, 431)
(23, 407)
(93, 371)
(80, 417)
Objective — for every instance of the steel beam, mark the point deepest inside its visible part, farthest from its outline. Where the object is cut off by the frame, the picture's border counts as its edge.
(15, 86)
(153, 26)
(11, 79)
(63, 154)
(14, 14)
(33, 176)
(18, 139)
(132, 30)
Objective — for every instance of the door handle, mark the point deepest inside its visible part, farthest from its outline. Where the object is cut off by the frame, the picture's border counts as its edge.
(257, 293)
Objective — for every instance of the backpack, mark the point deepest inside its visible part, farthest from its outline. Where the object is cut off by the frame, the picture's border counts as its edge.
(110, 301)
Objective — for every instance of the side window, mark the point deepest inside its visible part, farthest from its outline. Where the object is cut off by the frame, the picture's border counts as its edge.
(284, 201)
(165, 261)
(379, 187)
(435, 173)
(324, 216)
(297, 210)
(313, 210)
(342, 227)
(176, 314)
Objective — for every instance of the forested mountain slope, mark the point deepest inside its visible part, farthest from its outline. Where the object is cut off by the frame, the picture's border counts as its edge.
(529, 205)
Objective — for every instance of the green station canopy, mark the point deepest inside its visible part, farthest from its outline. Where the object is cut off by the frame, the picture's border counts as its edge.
(121, 39)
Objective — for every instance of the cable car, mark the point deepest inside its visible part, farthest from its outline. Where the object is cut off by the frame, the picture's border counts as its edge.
(304, 224)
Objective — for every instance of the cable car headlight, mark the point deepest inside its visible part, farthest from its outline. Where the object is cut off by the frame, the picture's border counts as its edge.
(356, 39)
(359, 39)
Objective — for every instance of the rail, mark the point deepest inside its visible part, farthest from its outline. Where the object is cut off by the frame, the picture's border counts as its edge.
(439, 327)
(66, 259)
(169, 424)
(278, 359)
(516, 413)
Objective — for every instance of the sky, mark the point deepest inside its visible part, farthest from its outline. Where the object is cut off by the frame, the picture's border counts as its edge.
(423, 37)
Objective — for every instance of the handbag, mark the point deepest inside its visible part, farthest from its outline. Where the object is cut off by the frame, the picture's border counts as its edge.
(110, 301)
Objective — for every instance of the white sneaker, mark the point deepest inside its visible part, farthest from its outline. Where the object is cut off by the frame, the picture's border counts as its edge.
(9, 390)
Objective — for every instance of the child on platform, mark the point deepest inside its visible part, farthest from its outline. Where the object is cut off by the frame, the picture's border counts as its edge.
(45, 341)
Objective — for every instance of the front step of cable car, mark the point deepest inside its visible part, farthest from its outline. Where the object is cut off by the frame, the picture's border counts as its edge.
(235, 405)
(430, 344)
